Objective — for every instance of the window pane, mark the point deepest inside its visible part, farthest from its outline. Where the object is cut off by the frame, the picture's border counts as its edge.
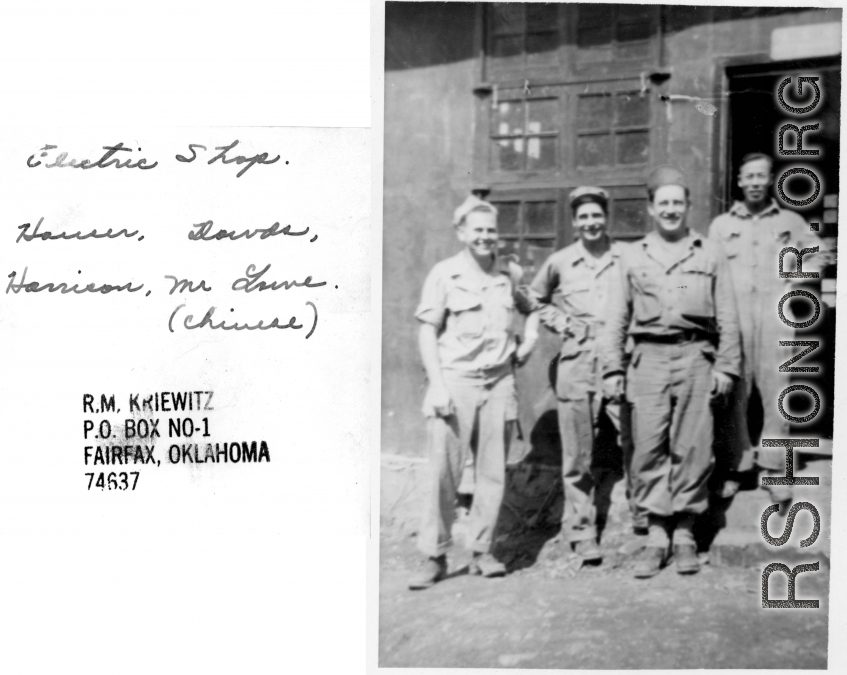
(633, 31)
(536, 253)
(632, 147)
(594, 36)
(507, 17)
(632, 110)
(507, 217)
(592, 16)
(508, 247)
(507, 45)
(507, 154)
(633, 13)
(541, 115)
(540, 217)
(594, 150)
(542, 17)
(629, 217)
(507, 119)
(594, 112)
(541, 47)
(540, 153)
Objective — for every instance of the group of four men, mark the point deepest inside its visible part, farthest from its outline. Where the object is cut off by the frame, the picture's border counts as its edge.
(652, 333)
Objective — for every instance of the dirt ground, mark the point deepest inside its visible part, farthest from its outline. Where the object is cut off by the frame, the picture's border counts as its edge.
(550, 612)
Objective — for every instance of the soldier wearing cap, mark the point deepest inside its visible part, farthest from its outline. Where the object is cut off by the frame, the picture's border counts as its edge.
(752, 234)
(468, 347)
(570, 291)
(678, 305)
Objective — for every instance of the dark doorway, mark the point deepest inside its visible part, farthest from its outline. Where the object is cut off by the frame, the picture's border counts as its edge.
(755, 119)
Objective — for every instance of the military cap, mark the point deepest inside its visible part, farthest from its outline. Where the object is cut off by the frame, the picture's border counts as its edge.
(665, 175)
(472, 203)
(587, 190)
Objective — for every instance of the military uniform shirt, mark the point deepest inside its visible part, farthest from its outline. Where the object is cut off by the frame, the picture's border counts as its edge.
(473, 312)
(572, 288)
(661, 297)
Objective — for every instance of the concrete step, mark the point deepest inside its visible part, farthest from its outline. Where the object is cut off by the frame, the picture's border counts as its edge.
(740, 541)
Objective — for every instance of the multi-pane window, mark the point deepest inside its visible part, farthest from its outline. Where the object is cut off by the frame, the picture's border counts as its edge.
(524, 134)
(614, 32)
(529, 37)
(612, 129)
(528, 228)
(523, 34)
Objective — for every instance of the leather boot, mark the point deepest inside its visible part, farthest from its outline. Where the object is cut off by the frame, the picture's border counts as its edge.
(434, 571)
(651, 562)
(685, 559)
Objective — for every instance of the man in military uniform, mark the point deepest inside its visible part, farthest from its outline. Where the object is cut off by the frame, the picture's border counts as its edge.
(571, 289)
(678, 305)
(752, 234)
(468, 348)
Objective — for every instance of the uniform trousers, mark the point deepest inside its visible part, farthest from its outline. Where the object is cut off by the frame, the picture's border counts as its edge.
(492, 409)
(581, 409)
(669, 388)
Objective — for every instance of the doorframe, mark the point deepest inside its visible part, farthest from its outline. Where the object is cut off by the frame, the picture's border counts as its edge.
(726, 68)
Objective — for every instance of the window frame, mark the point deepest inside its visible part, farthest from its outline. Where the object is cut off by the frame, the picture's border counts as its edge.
(615, 59)
(627, 192)
(567, 64)
(492, 137)
(612, 130)
(523, 66)
(560, 227)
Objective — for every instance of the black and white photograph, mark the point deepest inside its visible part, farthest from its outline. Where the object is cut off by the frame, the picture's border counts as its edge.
(608, 335)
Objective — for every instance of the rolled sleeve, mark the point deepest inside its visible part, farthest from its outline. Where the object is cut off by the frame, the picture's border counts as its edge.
(541, 292)
(545, 282)
(432, 308)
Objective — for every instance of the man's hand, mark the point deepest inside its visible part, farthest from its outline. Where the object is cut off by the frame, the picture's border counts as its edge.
(438, 400)
(721, 384)
(530, 337)
(613, 387)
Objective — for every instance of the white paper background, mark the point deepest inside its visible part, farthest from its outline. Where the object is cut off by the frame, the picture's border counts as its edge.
(235, 568)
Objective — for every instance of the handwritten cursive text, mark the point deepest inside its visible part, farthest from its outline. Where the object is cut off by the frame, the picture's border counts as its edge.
(206, 322)
(204, 229)
(94, 234)
(63, 288)
(261, 158)
(105, 161)
(251, 282)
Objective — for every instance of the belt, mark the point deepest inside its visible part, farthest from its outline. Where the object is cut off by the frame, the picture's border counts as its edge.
(492, 373)
(674, 339)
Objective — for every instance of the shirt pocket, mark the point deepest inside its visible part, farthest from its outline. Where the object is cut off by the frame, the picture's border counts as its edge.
(646, 294)
(503, 311)
(695, 289)
(467, 317)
